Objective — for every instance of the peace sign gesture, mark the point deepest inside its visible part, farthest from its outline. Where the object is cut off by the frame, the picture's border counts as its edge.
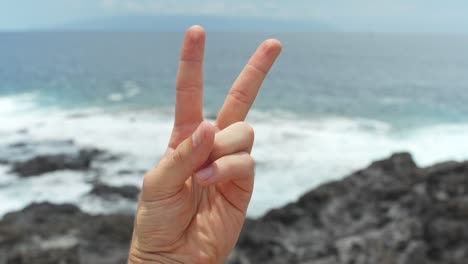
(193, 204)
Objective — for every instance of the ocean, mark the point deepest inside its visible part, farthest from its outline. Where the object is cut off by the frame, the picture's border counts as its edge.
(332, 103)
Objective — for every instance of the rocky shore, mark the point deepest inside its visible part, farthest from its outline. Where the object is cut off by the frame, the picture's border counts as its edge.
(392, 212)
(389, 213)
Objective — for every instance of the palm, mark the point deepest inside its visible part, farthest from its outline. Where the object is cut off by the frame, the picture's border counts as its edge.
(225, 227)
(198, 221)
(199, 208)
(203, 220)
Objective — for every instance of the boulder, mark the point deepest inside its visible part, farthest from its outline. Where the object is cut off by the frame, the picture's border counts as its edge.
(48, 163)
(392, 212)
(112, 192)
(46, 233)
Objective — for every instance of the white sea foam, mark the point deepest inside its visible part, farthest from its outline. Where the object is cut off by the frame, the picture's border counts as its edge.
(293, 154)
(5, 177)
(115, 97)
(16, 104)
(130, 88)
(57, 187)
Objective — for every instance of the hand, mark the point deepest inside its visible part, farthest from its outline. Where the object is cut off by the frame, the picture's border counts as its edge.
(194, 203)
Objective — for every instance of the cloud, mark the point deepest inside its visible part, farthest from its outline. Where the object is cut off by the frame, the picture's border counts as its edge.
(190, 7)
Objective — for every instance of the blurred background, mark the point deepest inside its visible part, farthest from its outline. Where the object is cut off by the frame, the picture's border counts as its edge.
(87, 91)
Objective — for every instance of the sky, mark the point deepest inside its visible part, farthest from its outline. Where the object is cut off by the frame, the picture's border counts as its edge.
(345, 15)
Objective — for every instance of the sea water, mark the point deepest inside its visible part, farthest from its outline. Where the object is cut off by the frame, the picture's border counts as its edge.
(332, 103)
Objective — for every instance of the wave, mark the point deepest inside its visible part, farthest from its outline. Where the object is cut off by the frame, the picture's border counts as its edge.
(293, 153)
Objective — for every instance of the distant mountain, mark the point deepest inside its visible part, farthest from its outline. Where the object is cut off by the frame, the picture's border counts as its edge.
(180, 23)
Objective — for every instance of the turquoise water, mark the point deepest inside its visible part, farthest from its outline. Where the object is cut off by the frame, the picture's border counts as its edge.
(331, 104)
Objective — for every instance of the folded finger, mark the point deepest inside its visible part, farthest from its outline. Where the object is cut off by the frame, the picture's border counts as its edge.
(234, 167)
(238, 137)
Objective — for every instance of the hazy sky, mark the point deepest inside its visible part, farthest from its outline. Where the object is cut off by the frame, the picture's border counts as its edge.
(347, 15)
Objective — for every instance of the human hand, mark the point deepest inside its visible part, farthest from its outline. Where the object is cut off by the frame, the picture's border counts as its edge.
(193, 203)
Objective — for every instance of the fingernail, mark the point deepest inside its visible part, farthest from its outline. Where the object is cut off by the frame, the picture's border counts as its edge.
(197, 136)
(204, 174)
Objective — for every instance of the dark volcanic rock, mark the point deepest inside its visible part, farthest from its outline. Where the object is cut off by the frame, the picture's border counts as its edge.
(31, 158)
(129, 172)
(48, 163)
(46, 233)
(390, 213)
(112, 192)
(54, 255)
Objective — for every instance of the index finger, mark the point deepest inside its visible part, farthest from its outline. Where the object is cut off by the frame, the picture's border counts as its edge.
(189, 86)
(189, 83)
(244, 90)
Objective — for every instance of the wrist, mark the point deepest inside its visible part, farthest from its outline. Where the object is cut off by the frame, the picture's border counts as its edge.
(139, 257)
(136, 257)
(166, 258)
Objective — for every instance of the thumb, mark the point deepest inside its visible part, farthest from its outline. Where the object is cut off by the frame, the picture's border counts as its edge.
(179, 164)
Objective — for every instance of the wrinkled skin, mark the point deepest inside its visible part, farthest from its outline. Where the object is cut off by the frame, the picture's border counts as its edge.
(194, 202)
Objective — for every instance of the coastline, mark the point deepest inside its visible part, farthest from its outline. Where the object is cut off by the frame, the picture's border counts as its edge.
(135, 138)
(390, 212)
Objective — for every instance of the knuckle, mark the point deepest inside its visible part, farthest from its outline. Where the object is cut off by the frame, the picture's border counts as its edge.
(250, 133)
(247, 130)
(177, 157)
(147, 186)
(249, 162)
(240, 96)
(188, 88)
(229, 167)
